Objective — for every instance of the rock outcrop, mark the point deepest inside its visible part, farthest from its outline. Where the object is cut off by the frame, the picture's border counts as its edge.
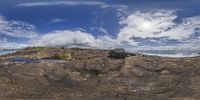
(92, 75)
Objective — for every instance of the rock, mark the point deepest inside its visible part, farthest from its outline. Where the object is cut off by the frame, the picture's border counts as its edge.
(164, 72)
(118, 53)
(94, 66)
(92, 75)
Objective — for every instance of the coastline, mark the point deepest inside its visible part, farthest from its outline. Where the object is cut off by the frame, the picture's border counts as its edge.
(156, 53)
(4, 52)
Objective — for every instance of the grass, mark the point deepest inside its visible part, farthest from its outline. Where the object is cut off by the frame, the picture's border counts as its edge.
(62, 56)
(65, 56)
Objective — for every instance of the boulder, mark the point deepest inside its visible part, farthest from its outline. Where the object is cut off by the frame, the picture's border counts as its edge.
(118, 53)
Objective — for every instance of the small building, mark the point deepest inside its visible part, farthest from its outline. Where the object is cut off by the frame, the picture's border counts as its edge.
(118, 53)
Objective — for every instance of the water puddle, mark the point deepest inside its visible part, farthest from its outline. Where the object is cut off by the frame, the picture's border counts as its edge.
(23, 59)
(29, 60)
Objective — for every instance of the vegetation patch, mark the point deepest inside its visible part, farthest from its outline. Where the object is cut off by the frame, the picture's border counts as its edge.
(65, 56)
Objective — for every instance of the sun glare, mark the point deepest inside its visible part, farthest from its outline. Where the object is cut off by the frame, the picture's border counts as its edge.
(146, 25)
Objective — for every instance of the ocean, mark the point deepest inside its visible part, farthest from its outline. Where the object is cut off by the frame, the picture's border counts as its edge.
(162, 53)
(2, 52)
(170, 53)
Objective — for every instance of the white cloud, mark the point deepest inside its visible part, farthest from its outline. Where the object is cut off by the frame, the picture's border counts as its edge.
(152, 25)
(191, 44)
(12, 45)
(157, 24)
(4, 44)
(73, 38)
(118, 7)
(57, 20)
(183, 30)
(16, 28)
(68, 3)
(100, 29)
(103, 30)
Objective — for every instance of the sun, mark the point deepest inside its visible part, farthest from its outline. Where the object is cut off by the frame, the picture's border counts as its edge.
(146, 25)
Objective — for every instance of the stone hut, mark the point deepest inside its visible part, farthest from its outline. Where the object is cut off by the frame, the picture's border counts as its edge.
(118, 53)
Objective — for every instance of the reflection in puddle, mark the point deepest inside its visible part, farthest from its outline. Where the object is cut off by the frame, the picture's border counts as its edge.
(23, 59)
(29, 60)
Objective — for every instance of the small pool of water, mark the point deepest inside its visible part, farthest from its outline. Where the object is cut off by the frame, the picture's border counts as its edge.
(23, 59)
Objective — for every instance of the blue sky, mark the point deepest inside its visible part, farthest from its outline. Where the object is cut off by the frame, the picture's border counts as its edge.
(132, 24)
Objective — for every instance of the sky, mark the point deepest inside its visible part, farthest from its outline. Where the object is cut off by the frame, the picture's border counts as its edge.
(130, 24)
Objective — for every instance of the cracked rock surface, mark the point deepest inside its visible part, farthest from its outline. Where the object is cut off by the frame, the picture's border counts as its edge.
(92, 75)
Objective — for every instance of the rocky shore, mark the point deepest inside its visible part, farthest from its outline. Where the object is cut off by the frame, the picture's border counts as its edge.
(90, 74)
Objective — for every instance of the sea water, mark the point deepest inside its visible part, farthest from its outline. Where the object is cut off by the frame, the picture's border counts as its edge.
(2, 52)
(170, 53)
(162, 53)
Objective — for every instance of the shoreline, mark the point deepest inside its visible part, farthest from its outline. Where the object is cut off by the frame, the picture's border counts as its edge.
(139, 52)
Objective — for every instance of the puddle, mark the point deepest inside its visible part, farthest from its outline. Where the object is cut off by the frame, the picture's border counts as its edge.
(22, 59)
(28, 60)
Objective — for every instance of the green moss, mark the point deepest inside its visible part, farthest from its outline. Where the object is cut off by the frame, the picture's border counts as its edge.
(65, 56)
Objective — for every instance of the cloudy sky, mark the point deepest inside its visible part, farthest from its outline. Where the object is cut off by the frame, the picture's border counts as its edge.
(132, 24)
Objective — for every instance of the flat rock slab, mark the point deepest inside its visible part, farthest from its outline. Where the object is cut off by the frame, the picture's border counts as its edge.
(93, 75)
